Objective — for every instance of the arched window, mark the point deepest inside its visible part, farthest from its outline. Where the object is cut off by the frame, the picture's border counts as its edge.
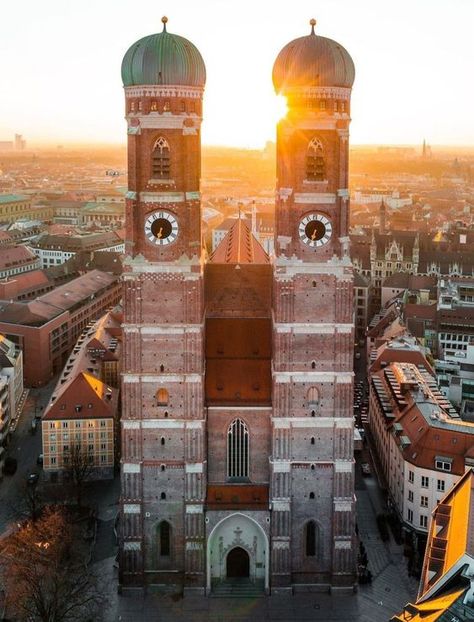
(164, 533)
(237, 449)
(310, 538)
(311, 495)
(313, 397)
(162, 397)
(315, 169)
(160, 160)
(163, 496)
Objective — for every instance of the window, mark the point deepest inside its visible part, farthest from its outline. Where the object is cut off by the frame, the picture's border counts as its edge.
(64, 424)
(315, 169)
(310, 539)
(311, 495)
(238, 449)
(423, 521)
(411, 477)
(313, 397)
(441, 485)
(410, 495)
(442, 465)
(103, 458)
(164, 538)
(160, 160)
(162, 397)
(163, 496)
(410, 516)
(424, 501)
(425, 481)
(53, 460)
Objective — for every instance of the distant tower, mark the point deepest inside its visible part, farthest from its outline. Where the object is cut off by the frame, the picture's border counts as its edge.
(312, 459)
(382, 218)
(423, 155)
(163, 437)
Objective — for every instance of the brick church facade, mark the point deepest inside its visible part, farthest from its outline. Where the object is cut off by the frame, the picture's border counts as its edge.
(237, 429)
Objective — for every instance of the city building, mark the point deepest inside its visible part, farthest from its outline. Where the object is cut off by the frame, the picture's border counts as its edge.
(11, 390)
(25, 286)
(47, 328)
(237, 427)
(423, 445)
(80, 422)
(446, 592)
(56, 249)
(14, 207)
(362, 299)
(15, 260)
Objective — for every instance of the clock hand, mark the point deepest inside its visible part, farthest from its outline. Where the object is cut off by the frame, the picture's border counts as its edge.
(160, 232)
(313, 236)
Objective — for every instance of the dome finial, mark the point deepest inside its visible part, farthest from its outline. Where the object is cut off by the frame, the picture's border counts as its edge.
(164, 21)
(312, 22)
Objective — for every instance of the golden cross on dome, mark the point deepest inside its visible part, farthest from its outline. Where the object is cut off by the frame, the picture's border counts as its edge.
(164, 21)
(312, 23)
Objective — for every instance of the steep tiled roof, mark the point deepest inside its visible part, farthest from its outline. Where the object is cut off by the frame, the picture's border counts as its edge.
(12, 256)
(84, 397)
(239, 246)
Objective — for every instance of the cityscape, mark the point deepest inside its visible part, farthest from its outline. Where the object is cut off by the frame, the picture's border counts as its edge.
(237, 376)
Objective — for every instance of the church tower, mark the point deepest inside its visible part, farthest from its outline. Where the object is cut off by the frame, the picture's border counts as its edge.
(312, 469)
(163, 463)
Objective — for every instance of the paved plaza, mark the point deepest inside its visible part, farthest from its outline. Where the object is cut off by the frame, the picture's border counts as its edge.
(391, 588)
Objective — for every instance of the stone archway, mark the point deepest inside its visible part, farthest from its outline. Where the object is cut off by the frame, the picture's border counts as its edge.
(237, 563)
(242, 534)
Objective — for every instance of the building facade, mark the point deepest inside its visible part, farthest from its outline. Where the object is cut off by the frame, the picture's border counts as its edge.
(237, 429)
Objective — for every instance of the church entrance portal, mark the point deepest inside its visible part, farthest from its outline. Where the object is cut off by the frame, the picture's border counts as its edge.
(238, 563)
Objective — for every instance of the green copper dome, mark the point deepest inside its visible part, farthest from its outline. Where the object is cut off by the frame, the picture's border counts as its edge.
(313, 61)
(163, 58)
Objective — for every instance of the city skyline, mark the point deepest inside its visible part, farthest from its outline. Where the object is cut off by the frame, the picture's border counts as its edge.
(63, 74)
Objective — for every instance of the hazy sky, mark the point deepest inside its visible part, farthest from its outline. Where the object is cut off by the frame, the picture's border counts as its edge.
(60, 65)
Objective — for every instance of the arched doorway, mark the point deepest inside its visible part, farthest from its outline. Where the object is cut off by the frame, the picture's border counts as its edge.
(238, 563)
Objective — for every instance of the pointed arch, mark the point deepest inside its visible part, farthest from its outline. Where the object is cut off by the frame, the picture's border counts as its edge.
(315, 162)
(162, 397)
(238, 449)
(160, 159)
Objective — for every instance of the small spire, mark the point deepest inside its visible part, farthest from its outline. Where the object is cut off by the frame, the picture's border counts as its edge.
(312, 23)
(164, 21)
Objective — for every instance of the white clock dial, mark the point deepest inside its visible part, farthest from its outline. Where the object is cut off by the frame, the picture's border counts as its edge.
(161, 228)
(315, 230)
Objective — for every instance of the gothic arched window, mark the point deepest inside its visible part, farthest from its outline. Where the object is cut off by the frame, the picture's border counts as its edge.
(310, 538)
(315, 168)
(160, 159)
(238, 450)
(164, 536)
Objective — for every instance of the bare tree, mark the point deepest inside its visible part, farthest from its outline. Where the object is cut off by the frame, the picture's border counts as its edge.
(80, 467)
(45, 575)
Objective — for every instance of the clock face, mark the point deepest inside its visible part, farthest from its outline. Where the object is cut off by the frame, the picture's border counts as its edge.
(161, 228)
(315, 230)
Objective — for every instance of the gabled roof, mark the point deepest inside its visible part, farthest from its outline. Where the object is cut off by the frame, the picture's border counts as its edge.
(239, 247)
(84, 397)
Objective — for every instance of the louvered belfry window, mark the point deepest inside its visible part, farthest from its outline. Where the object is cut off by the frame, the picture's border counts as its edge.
(238, 450)
(160, 159)
(315, 167)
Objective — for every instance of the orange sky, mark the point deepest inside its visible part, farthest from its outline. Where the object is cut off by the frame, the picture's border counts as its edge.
(61, 65)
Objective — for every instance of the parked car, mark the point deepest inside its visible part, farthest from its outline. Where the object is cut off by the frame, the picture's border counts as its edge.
(39, 460)
(10, 466)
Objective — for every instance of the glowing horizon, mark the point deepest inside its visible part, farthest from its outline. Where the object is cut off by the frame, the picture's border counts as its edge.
(62, 79)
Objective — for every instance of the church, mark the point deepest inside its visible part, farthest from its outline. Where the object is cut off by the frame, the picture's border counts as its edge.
(237, 426)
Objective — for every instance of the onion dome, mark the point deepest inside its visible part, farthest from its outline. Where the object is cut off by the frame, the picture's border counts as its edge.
(163, 58)
(312, 61)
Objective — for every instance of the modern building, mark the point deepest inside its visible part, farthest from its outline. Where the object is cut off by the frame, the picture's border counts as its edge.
(47, 328)
(80, 422)
(11, 390)
(237, 427)
(53, 250)
(446, 592)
